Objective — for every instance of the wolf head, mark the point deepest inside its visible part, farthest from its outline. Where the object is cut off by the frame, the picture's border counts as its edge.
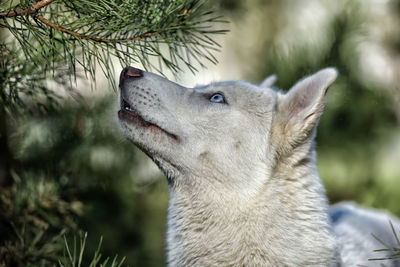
(232, 134)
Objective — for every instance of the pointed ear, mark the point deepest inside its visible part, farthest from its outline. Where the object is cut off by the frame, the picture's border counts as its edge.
(300, 108)
(269, 81)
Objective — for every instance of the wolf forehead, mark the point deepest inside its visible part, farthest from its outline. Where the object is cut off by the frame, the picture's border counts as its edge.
(233, 86)
(237, 91)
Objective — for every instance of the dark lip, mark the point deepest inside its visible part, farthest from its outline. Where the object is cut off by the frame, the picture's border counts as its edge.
(128, 113)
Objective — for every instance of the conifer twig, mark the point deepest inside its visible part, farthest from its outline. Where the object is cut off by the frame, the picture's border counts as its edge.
(59, 40)
(93, 38)
(33, 10)
(26, 11)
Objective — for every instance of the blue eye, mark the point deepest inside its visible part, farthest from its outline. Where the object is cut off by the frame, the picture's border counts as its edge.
(217, 98)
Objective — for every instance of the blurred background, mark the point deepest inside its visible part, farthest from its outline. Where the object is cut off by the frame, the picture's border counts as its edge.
(77, 172)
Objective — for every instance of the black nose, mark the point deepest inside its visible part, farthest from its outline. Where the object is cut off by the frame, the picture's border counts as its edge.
(129, 72)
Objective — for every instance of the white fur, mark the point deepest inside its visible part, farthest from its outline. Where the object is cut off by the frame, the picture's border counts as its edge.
(244, 188)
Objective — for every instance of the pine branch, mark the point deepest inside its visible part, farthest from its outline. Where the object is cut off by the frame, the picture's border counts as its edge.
(93, 38)
(73, 259)
(26, 11)
(56, 39)
(33, 10)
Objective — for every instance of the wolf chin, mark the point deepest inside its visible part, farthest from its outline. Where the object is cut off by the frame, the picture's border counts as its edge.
(240, 163)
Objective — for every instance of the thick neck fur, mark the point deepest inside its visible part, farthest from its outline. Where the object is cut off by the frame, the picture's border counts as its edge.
(286, 224)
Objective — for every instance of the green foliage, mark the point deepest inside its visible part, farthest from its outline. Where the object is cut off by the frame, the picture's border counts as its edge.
(74, 258)
(23, 82)
(55, 39)
(39, 217)
(72, 170)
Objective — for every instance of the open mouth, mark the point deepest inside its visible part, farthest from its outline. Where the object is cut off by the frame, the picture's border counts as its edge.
(128, 113)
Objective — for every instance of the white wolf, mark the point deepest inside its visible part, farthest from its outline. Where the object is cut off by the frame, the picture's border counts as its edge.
(240, 163)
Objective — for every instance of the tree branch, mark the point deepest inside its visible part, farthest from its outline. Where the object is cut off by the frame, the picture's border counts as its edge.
(25, 11)
(88, 37)
(32, 10)
(41, 23)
